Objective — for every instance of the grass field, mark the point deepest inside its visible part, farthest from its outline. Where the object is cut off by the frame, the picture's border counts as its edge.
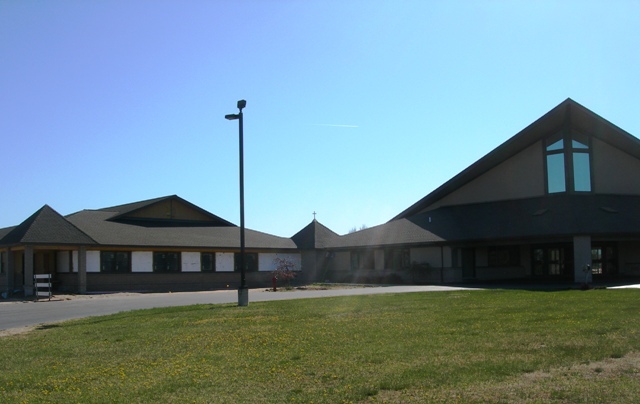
(464, 346)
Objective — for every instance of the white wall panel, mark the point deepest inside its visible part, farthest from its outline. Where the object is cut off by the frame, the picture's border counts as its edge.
(63, 261)
(224, 262)
(190, 262)
(93, 261)
(142, 261)
(74, 261)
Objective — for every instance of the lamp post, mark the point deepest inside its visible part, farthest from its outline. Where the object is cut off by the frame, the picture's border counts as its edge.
(243, 292)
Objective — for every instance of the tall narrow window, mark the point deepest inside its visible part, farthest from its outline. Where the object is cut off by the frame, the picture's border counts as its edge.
(581, 164)
(568, 162)
(207, 262)
(556, 177)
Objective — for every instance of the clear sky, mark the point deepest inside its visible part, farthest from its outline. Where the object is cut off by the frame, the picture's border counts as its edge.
(355, 109)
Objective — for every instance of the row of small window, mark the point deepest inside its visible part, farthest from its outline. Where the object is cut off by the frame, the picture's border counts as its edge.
(167, 262)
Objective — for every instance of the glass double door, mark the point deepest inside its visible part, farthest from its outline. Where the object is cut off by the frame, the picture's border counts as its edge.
(553, 261)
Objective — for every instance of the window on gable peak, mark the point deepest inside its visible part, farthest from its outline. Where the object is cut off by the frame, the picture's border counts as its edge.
(568, 163)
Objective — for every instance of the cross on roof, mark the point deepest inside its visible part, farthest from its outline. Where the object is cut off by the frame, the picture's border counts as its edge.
(314, 215)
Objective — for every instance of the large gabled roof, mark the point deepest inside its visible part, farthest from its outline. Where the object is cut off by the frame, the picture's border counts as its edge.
(134, 225)
(46, 226)
(143, 224)
(568, 112)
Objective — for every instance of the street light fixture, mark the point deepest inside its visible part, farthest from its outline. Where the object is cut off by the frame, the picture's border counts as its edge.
(243, 292)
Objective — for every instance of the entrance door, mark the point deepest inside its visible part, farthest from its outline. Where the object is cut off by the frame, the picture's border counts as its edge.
(604, 260)
(552, 261)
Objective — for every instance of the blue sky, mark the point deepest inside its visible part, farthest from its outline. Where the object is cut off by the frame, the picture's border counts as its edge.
(355, 109)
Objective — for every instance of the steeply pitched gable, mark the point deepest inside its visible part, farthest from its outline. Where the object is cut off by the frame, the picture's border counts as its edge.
(46, 226)
(566, 113)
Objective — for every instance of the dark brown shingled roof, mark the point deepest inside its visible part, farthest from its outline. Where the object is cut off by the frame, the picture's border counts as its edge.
(314, 235)
(397, 232)
(46, 226)
(99, 225)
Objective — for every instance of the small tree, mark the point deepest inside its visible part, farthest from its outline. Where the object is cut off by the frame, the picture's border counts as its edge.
(284, 270)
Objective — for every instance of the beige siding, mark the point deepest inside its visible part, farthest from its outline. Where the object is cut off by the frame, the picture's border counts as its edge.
(608, 164)
(170, 209)
(521, 176)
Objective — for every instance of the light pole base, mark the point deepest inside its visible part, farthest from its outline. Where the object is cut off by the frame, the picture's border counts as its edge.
(243, 297)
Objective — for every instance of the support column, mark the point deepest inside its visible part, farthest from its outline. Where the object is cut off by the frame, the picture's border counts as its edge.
(82, 270)
(4, 272)
(28, 271)
(10, 271)
(582, 259)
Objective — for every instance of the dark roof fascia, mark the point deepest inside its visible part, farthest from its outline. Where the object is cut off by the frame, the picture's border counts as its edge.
(582, 119)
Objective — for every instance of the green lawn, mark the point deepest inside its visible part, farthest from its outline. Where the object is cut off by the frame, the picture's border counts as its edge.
(465, 346)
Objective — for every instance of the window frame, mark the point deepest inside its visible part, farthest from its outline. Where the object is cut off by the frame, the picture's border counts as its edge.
(250, 262)
(213, 262)
(163, 266)
(397, 258)
(503, 256)
(552, 261)
(114, 263)
(573, 143)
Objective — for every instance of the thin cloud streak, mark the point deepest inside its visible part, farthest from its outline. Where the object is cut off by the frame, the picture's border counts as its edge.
(335, 126)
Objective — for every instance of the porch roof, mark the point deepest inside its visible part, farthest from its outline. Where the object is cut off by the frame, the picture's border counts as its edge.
(46, 226)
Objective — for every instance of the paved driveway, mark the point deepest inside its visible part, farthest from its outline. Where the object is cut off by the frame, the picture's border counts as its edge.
(19, 314)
